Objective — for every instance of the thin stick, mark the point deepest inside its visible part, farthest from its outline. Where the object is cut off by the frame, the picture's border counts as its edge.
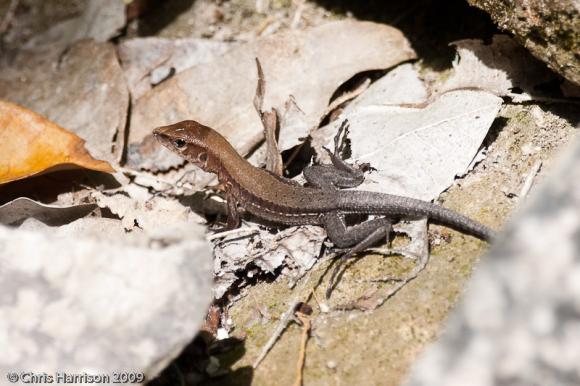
(269, 123)
(150, 177)
(530, 179)
(414, 273)
(298, 13)
(284, 321)
(400, 283)
(239, 232)
(306, 324)
(260, 88)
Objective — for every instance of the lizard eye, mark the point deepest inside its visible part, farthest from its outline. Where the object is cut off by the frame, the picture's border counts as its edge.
(179, 143)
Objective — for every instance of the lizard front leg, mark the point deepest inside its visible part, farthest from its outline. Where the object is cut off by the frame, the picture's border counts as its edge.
(340, 174)
(234, 219)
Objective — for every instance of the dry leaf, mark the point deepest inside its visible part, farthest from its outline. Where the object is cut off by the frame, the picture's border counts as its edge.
(417, 150)
(148, 61)
(156, 215)
(82, 89)
(310, 65)
(30, 144)
(99, 20)
(294, 247)
(503, 67)
(16, 211)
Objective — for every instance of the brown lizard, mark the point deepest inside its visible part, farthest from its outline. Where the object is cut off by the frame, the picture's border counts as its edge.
(282, 201)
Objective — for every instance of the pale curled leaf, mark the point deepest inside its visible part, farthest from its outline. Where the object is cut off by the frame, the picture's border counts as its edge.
(400, 86)
(156, 215)
(418, 151)
(501, 67)
(16, 211)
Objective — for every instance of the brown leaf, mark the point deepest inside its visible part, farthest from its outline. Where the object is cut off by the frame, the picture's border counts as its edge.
(30, 144)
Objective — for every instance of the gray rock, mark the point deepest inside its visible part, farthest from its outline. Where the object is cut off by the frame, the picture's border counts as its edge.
(77, 305)
(519, 323)
(549, 29)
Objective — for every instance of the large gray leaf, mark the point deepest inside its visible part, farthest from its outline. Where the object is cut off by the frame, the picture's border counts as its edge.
(309, 65)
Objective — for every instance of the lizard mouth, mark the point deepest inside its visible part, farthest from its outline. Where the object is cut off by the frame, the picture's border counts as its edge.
(161, 134)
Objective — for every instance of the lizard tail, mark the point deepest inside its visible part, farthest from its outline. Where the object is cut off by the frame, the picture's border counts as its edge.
(399, 207)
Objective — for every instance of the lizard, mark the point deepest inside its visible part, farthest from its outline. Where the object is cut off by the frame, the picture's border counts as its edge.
(321, 202)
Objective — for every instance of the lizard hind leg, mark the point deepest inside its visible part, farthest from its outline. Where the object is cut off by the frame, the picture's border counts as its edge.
(353, 239)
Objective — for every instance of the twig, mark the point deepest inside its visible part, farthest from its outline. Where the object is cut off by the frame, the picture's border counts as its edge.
(146, 176)
(239, 232)
(260, 88)
(298, 13)
(306, 325)
(530, 179)
(270, 124)
(401, 282)
(412, 275)
(8, 16)
(287, 317)
(395, 251)
(376, 299)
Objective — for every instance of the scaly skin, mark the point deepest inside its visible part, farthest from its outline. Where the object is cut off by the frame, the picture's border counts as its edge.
(279, 200)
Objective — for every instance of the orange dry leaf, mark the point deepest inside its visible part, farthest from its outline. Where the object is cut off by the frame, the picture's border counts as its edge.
(31, 144)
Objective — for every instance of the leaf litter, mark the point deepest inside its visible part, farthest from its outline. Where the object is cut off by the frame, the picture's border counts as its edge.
(308, 68)
(417, 151)
(155, 211)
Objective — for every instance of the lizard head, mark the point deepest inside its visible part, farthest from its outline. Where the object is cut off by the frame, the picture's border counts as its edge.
(189, 139)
